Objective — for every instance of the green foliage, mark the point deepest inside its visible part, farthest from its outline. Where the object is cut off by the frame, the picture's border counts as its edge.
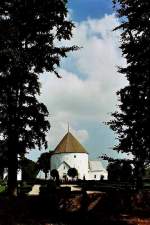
(72, 172)
(2, 189)
(120, 171)
(29, 169)
(48, 189)
(43, 163)
(55, 174)
(3, 161)
(131, 121)
(29, 44)
(147, 173)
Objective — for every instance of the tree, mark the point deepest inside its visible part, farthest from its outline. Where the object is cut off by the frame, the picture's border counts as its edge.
(72, 172)
(44, 163)
(23, 124)
(29, 169)
(147, 173)
(126, 171)
(120, 170)
(114, 171)
(55, 175)
(131, 121)
(3, 160)
(29, 33)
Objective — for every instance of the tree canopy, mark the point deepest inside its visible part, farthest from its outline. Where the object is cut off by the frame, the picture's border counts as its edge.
(29, 169)
(72, 172)
(55, 174)
(30, 32)
(131, 121)
(120, 171)
(43, 163)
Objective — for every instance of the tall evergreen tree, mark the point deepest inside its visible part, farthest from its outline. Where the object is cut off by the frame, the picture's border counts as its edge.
(131, 121)
(29, 31)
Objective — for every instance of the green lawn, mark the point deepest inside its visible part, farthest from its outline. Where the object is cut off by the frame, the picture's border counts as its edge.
(2, 188)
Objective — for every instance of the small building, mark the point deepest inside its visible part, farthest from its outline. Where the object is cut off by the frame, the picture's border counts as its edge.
(97, 171)
(69, 153)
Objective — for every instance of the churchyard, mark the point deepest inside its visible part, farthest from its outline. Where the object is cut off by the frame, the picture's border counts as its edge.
(85, 202)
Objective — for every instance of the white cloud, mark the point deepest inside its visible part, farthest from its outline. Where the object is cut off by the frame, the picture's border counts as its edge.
(87, 91)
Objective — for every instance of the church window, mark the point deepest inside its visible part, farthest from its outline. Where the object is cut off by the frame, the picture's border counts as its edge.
(74, 156)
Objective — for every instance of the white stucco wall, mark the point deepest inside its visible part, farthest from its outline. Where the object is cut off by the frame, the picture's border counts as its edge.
(19, 174)
(41, 175)
(96, 175)
(74, 160)
(63, 169)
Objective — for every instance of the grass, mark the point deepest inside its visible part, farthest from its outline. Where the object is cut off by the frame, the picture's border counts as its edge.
(2, 188)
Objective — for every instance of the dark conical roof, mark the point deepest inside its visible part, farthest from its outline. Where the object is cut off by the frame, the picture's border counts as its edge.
(69, 144)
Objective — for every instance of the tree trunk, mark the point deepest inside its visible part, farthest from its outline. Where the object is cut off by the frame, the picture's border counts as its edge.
(1, 173)
(12, 142)
(46, 176)
(139, 176)
(12, 169)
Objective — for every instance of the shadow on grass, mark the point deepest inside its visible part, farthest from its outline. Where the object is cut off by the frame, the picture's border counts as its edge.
(97, 209)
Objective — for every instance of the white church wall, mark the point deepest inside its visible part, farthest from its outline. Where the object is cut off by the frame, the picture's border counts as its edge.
(96, 175)
(63, 169)
(41, 175)
(74, 160)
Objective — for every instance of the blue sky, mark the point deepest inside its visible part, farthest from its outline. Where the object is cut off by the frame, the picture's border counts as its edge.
(82, 9)
(101, 137)
(86, 95)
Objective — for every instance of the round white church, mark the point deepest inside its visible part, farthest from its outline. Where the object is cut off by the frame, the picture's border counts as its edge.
(69, 153)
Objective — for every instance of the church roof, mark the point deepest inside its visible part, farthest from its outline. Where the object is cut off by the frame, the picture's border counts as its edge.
(69, 144)
(95, 165)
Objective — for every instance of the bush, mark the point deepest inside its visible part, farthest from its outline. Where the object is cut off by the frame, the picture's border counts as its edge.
(24, 188)
(48, 189)
(72, 172)
(2, 189)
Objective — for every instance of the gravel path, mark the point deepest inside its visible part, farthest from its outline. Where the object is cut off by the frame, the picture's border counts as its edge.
(35, 190)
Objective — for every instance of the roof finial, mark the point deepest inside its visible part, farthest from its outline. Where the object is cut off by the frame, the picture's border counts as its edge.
(68, 127)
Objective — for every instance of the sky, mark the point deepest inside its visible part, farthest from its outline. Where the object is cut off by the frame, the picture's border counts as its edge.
(85, 96)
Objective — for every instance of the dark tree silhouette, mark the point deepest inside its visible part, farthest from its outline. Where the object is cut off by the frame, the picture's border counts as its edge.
(114, 171)
(147, 173)
(131, 121)
(29, 33)
(72, 172)
(29, 169)
(3, 159)
(44, 163)
(120, 171)
(126, 171)
(55, 174)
